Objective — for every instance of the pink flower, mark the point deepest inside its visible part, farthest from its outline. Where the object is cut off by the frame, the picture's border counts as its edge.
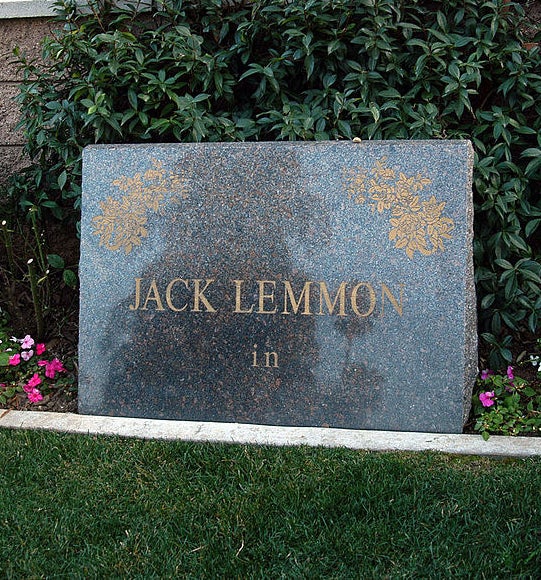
(487, 398)
(14, 360)
(485, 374)
(51, 368)
(510, 374)
(27, 354)
(33, 382)
(27, 341)
(40, 348)
(35, 396)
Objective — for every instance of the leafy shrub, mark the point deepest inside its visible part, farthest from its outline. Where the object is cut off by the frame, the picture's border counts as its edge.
(207, 70)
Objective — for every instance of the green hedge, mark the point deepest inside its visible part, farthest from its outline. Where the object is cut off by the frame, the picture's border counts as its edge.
(209, 70)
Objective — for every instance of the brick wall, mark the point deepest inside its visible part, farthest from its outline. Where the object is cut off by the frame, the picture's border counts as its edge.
(27, 34)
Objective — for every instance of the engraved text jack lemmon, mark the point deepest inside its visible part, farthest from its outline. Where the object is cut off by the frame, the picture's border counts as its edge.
(269, 297)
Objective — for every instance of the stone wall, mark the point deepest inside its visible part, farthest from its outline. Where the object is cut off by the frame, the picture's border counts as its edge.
(26, 33)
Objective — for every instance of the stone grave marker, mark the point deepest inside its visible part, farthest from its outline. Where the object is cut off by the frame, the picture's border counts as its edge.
(305, 284)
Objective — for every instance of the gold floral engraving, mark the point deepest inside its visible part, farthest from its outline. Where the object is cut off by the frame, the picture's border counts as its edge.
(416, 224)
(122, 223)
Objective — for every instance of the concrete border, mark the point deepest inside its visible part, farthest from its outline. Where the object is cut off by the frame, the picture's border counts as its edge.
(269, 435)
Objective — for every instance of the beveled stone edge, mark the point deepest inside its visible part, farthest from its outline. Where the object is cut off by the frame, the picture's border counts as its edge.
(269, 435)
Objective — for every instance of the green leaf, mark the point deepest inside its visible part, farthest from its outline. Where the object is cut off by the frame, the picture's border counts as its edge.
(487, 301)
(529, 275)
(309, 63)
(504, 264)
(375, 112)
(454, 71)
(510, 321)
(390, 93)
(531, 226)
(70, 278)
(254, 69)
(132, 98)
(532, 152)
(518, 242)
(441, 19)
(533, 166)
(62, 178)
(55, 261)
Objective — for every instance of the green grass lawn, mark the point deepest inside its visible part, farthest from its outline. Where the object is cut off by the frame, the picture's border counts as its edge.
(75, 506)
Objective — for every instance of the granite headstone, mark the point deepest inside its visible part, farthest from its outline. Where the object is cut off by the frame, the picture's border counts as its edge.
(306, 284)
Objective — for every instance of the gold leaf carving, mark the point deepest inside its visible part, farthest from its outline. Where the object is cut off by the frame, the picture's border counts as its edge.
(354, 183)
(416, 225)
(121, 225)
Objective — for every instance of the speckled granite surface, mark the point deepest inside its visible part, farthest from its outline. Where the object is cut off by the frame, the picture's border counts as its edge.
(308, 284)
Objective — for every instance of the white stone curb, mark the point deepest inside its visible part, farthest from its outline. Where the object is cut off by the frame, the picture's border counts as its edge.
(269, 435)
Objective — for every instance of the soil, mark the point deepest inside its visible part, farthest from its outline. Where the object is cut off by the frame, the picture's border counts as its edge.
(62, 400)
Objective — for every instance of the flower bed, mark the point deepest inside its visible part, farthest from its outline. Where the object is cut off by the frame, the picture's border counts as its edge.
(31, 377)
